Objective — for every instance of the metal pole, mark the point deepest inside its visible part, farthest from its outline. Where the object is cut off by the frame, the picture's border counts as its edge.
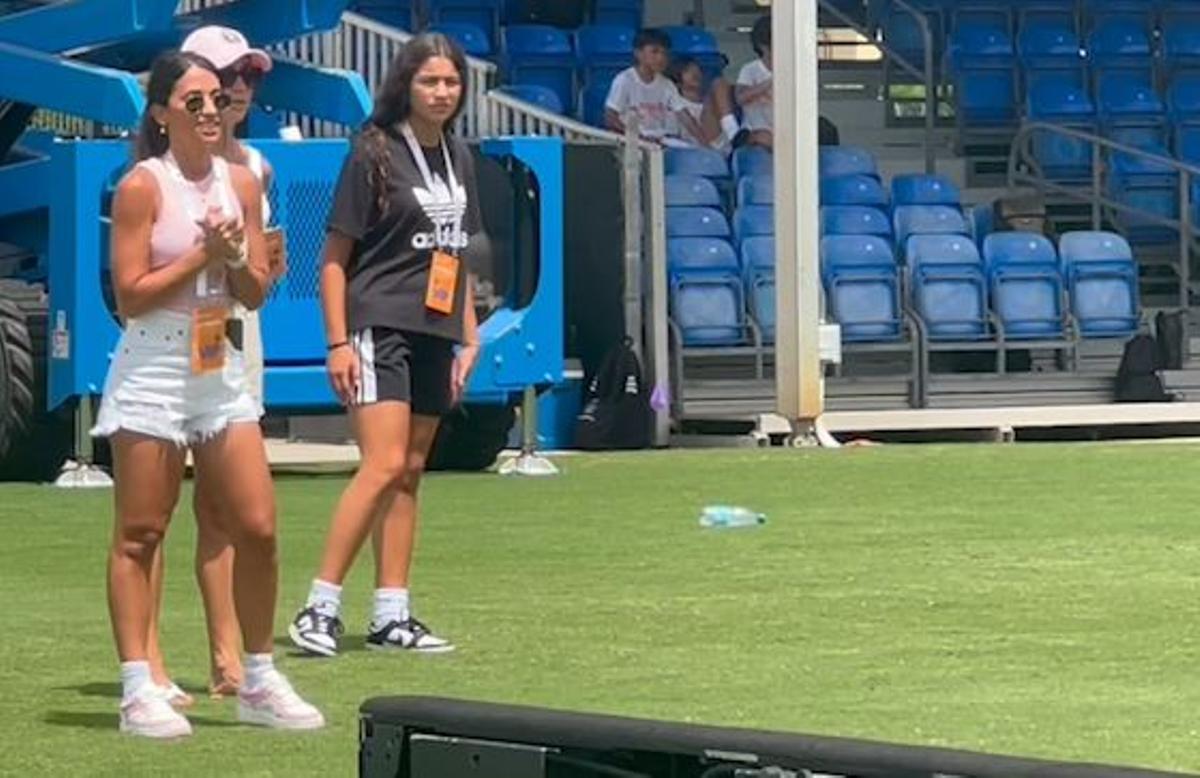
(798, 362)
(658, 352)
(1185, 238)
(1095, 186)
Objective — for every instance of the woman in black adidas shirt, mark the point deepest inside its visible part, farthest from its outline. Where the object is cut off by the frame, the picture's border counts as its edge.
(395, 294)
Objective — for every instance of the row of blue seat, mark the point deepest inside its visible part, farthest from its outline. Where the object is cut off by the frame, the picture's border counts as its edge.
(1019, 289)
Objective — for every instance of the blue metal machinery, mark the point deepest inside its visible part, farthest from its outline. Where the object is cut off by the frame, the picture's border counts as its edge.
(78, 58)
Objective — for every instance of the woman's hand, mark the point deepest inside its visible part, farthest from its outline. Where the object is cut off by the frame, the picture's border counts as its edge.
(464, 363)
(344, 372)
(224, 239)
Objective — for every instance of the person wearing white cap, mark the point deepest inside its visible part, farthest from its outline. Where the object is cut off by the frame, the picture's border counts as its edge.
(240, 68)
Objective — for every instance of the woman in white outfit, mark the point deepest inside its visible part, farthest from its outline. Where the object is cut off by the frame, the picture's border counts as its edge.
(187, 242)
(240, 68)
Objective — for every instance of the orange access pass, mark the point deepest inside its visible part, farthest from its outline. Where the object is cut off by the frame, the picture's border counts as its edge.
(208, 339)
(443, 281)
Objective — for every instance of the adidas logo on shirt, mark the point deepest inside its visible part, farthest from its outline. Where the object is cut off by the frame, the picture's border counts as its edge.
(446, 210)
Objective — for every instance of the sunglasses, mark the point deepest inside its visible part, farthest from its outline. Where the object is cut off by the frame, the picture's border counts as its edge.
(194, 104)
(247, 71)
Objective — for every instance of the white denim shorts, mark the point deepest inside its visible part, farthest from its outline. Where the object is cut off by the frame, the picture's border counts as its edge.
(151, 389)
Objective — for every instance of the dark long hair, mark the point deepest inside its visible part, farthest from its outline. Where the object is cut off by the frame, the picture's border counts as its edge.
(166, 71)
(393, 103)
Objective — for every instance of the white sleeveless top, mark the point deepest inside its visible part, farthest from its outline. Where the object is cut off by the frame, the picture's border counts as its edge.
(175, 232)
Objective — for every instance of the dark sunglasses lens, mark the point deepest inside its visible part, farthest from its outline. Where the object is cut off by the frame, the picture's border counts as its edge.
(222, 101)
(194, 104)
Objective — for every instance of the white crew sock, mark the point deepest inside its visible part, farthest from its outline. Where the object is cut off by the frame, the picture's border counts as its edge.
(390, 605)
(325, 597)
(134, 675)
(259, 667)
(730, 125)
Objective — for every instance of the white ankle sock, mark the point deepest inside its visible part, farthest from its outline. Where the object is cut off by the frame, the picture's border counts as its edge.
(325, 597)
(134, 675)
(258, 668)
(730, 125)
(390, 605)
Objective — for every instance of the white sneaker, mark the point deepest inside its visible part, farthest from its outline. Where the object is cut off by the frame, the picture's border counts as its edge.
(275, 704)
(148, 714)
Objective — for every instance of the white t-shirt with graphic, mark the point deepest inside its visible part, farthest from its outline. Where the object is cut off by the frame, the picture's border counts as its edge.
(654, 103)
(759, 115)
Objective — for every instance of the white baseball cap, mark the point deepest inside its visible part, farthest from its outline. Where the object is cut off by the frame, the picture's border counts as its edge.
(223, 46)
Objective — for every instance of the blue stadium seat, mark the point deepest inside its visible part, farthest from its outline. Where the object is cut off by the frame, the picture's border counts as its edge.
(1049, 41)
(756, 190)
(691, 191)
(752, 221)
(541, 96)
(1026, 285)
(1187, 143)
(752, 161)
(592, 100)
(1151, 205)
(758, 269)
(758, 255)
(983, 62)
(542, 55)
(1054, 99)
(1181, 44)
(484, 14)
(1183, 99)
(853, 190)
(945, 250)
(692, 255)
(1008, 249)
(839, 161)
(1102, 279)
(394, 13)
(696, 162)
(603, 51)
(949, 288)
(1120, 41)
(708, 309)
(855, 220)
(624, 13)
(862, 288)
(761, 294)
(474, 39)
(908, 220)
(699, 44)
(921, 189)
(1127, 98)
(1087, 247)
(696, 223)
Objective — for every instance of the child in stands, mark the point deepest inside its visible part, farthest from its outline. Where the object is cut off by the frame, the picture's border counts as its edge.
(756, 88)
(645, 92)
(707, 117)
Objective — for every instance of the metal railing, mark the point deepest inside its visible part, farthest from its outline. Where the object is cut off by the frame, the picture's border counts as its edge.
(1025, 170)
(368, 48)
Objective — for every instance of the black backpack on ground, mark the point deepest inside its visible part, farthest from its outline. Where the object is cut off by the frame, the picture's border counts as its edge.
(1170, 330)
(616, 405)
(1138, 380)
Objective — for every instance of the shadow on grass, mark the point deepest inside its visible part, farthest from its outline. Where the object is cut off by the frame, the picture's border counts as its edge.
(112, 690)
(349, 644)
(109, 720)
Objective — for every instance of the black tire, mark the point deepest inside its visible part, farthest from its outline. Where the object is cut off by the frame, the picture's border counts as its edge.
(18, 376)
(33, 443)
(471, 437)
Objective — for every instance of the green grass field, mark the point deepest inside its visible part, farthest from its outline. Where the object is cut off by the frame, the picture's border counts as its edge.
(1031, 600)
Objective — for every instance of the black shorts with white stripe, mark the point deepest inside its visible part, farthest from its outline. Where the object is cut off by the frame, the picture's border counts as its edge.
(406, 367)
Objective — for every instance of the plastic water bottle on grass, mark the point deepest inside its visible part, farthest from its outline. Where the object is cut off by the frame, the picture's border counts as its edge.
(730, 516)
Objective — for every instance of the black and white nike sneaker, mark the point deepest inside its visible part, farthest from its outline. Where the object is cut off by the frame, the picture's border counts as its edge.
(315, 632)
(407, 635)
